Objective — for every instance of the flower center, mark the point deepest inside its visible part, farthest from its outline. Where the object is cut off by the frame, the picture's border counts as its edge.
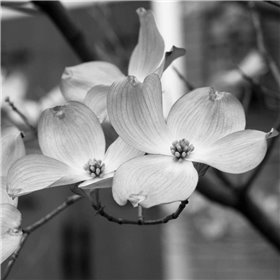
(181, 149)
(95, 168)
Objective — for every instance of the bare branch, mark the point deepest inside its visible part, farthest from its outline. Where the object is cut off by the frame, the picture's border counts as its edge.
(244, 204)
(14, 256)
(141, 221)
(222, 177)
(273, 3)
(261, 43)
(29, 229)
(69, 201)
(182, 78)
(261, 221)
(257, 85)
(22, 116)
(60, 17)
(217, 193)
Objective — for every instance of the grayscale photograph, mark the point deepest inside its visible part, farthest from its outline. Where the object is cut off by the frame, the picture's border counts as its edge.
(140, 140)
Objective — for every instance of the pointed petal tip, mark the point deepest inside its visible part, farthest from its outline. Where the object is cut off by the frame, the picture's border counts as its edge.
(136, 199)
(149, 51)
(67, 74)
(214, 94)
(175, 52)
(182, 51)
(141, 11)
(172, 55)
(13, 193)
(272, 133)
(132, 80)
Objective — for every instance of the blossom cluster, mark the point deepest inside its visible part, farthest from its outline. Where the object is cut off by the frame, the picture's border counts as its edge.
(112, 133)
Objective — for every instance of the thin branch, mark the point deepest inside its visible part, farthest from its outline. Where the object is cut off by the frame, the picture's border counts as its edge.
(29, 229)
(257, 85)
(69, 201)
(259, 219)
(14, 256)
(141, 221)
(61, 18)
(222, 177)
(22, 116)
(244, 204)
(273, 3)
(182, 78)
(217, 193)
(261, 43)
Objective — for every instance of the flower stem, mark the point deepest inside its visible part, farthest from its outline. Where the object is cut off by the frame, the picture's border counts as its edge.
(22, 116)
(14, 256)
(69, 201)
(140, 214)
(29, 229)
(141, 221)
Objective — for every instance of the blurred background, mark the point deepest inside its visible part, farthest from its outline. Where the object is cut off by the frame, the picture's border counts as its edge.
(207, 241)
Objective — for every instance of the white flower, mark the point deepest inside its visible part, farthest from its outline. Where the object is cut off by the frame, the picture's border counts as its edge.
(90, 82)
(203, 126)
(10, 218)
(73, 147)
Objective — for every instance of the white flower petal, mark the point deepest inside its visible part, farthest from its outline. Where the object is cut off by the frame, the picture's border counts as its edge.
(169, 57)
(118, 153)
(96, 100)
(76, 81)
(235, 153)
(149, 51)
(135, 111)
(172, 55)
(10, 220)
(98, 183)
(10, 243)
(153, 180)
(71, 134)
(36, 172)
(5, 198)
(12, 148)
(204, 116)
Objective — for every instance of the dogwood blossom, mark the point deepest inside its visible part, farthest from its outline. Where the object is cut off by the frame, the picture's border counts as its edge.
(73, 147)
(10, 217)
(90, 82)
(203, 126)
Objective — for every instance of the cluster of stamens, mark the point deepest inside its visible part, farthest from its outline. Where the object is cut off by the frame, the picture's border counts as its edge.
(181, 149)
(95, 168)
